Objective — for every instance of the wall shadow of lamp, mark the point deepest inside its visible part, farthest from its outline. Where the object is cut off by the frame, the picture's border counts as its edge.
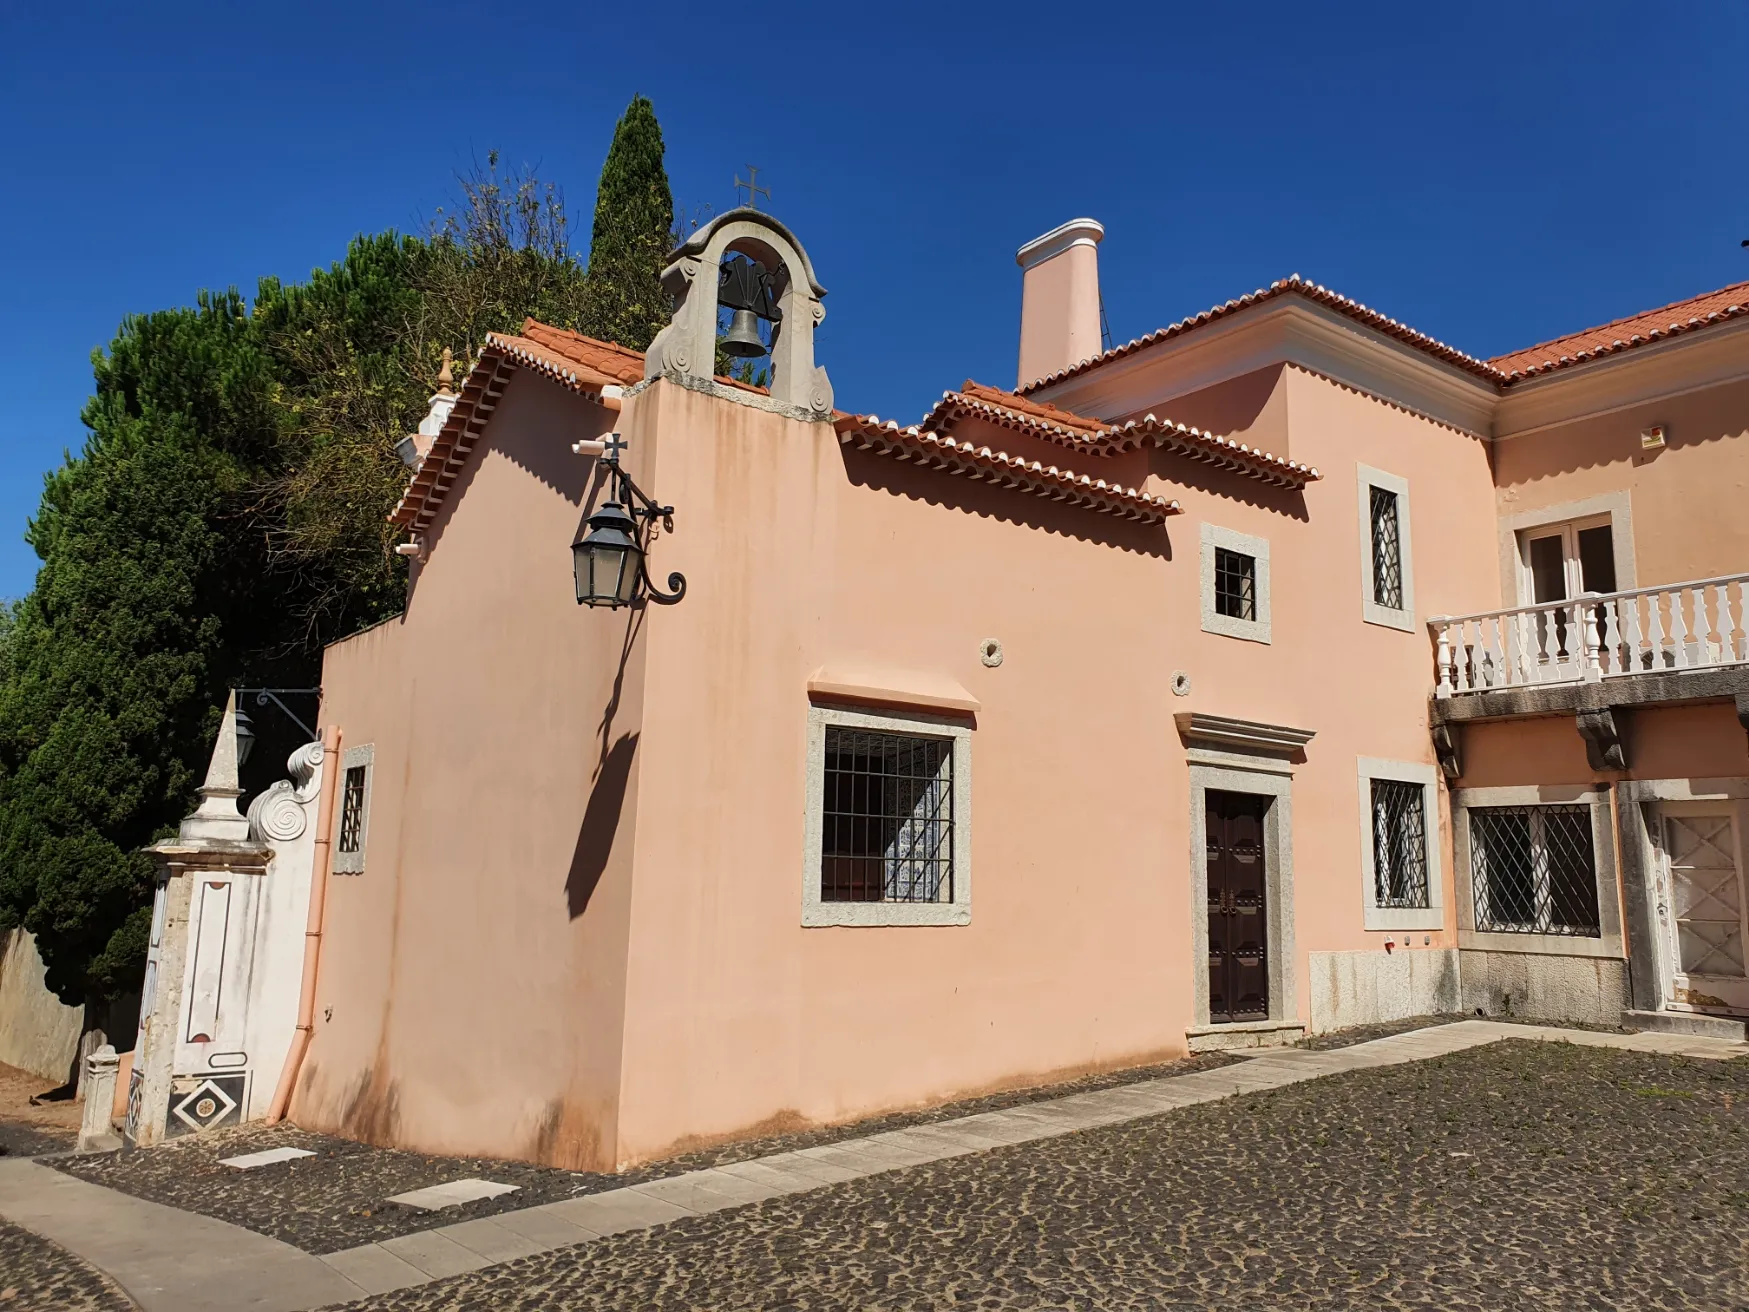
(610, 560)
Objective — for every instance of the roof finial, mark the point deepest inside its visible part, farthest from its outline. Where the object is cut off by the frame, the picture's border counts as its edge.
(445, 376)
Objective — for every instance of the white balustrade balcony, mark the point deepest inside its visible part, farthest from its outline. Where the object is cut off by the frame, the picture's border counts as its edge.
(1702, 624)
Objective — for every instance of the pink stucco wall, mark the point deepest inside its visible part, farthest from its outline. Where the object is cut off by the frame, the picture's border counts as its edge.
(578, 935)
(471, 990)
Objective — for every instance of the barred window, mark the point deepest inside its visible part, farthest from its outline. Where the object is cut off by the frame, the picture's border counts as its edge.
(352, 811)
(1399, 843)
(1235, 584)
(887, 824)
(1534, 870)
(1387, 550)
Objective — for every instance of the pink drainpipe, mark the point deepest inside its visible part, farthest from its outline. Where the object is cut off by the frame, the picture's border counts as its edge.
(294, 1058)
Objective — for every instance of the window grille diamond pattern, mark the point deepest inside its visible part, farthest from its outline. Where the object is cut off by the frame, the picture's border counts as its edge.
(1387, 551)
(1534, 870)
(887, 824)
(1235, 584)
(1399, 843)
(352, 810)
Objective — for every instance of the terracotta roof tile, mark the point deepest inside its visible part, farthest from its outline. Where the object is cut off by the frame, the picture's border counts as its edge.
(1625, 334)
(936, 451)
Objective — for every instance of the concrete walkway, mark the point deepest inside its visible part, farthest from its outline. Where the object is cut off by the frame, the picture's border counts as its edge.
(167, 1260)
(171, 1259)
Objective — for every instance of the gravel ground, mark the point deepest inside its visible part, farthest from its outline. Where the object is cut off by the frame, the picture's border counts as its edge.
(336, 1199)
(37, 1276)
(26, 1131)
(1519, 1175)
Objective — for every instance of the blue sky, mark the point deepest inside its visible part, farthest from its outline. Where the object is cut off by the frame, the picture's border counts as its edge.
(1491, 174)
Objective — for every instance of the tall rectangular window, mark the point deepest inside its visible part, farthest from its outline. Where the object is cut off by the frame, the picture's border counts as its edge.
(1235, 584)
(888, 818)
(1399, 827)
(1534, 870)
(352, 811)
(1387, 550)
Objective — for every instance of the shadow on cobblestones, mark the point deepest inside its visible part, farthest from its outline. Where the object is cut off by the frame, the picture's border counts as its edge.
(1520, 1175)
(336, 1199)
(37, 1276)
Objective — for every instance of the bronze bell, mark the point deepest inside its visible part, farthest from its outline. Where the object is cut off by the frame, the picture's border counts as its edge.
(742, 340)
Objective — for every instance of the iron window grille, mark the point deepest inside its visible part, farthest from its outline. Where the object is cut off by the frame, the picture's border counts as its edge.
(1399, 844)
(1534, 870)
(352, 810)
(887, 821)
(1235, 584)
(1387, 550)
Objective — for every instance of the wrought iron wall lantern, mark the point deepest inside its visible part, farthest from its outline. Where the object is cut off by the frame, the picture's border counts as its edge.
(246, 734)
(610, 559)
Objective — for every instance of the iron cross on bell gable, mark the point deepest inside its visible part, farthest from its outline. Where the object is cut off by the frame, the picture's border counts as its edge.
(752, 188)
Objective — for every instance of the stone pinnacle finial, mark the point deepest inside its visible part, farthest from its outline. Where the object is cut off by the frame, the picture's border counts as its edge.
(217, 817)
(445, 375)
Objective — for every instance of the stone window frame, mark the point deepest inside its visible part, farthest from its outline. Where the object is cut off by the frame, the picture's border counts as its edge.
(1371, 611)
(817, 913)
(1375, 917)
(1609, 944)
(1252, 630)
(1232, 772)
(352, 863)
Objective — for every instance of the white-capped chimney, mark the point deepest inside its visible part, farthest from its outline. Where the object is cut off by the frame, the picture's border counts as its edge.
(1059, 299)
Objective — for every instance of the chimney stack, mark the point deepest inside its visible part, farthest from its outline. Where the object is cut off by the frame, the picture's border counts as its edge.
(1059, 299)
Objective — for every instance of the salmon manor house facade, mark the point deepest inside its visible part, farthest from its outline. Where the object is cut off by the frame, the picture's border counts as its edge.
(1279, 671)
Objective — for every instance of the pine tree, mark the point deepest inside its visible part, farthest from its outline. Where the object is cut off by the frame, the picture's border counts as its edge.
(634, 222)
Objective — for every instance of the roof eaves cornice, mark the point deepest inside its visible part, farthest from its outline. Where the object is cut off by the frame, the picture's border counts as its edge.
(936, 451)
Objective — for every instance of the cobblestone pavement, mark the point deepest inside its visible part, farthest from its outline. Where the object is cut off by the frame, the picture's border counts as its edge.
(336, 1199)
(37, 1276)
(1519, 1175)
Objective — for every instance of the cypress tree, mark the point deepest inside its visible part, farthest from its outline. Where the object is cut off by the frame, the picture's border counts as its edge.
(634, 229)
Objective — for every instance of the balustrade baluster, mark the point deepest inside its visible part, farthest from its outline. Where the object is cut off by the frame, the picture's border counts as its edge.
(1592, 670)
(1522, 629)
(1728, 619)
(1497, 652)
(1632, 633)
(1609, 626)
(1654, 632)
(1703, 618)
(1442, 659)
(1678, 629)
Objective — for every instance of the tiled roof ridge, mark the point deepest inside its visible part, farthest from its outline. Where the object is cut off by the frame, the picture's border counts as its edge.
(1212, 449)
(620, 363)
(1099, 438)
(938, 451)
(1312, 291)
(1040, 410)
(1735, 295)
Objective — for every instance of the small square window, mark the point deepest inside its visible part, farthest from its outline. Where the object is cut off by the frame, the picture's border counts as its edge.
(1235, 584)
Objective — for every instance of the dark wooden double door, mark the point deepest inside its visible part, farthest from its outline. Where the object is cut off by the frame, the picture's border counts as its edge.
(1238, 963)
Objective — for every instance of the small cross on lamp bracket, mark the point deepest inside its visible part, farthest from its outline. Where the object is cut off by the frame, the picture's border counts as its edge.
(610, 560)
